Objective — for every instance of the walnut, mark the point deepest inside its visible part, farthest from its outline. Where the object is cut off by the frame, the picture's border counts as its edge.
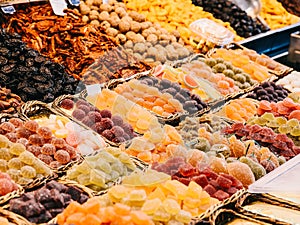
(128, 44)
(124, 26)
(135, 26)
(85, 19)
(97, 2)
(89, 2)
(104, 16)
(145, 25)
(172, 55)
(130, 35)
(182, 52)
(170, 48)
(137, 16)
(84, 9)
(140, 48)
(127, 19)
(93, 15)
(105, 7)
(121, 11)
(152, 38)
(121, 38)
(105, 25)
(95, 22)
(114, 21)
(112, 32)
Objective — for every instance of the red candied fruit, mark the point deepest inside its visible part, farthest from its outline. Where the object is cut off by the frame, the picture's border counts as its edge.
(31, 125)
(87, 121)
(36, 139)
(232, 190)
(48, 149)
(16, 122)
(58, 142)
(4, 175)
(67, 104)
(108, 135)
(6, 186)
(34, 149)
(78, 114)
(45, 158)
(106, 123)
(84, 108)
(23, 141)
(201, 180)
(95, 116)
(117, 120)
(44, 132)
(72, 151)
(12, 137)
(7, 126)
(117, 131)
(224, 182)
(209, 173)
(98, 128)
(235, 182)
(221, 195)
(187, 170)
(184, 180)
(22, 132)
(210, 189)
(105, 113)
(62, 156)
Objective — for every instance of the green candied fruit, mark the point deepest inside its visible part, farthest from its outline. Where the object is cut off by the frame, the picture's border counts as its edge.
(220, 60)
(237, 70)
(273, 124)
(210, 62)
(248, 78)
(220, 67)
(240, 77)
(281, 160)
(257, 169)
(203, 145)
(228, 73)
(228, 65)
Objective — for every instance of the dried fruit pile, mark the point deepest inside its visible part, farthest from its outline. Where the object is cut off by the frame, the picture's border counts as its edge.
(44, 204)
(146, 40)
(112, 127)
(72, 43)
(9, 102)
(99, 171)
(31, 75)
(227, 11)
(21, 165)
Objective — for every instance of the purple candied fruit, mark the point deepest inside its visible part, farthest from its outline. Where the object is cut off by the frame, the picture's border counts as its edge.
(108, 135)
(117, 131)
(78, 114)
(98, 127)
(67, 104)
(105, 113)
(117, 120)
(106, 123)
(84, 108)
(81, 102)
(128, 129)
(94, 116)
(118, 140)
(87, 121)
(126, 136)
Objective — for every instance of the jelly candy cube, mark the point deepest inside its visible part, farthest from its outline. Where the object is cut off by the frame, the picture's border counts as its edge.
(151, 206)
(177, 188)
(157, 193)
(137, 195)
(161, 215)
(97, 178)
(183, 216)
(118, 192)
(140, 218)
(121, 209)
(171, 206)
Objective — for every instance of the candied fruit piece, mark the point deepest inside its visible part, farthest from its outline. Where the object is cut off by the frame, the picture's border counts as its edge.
(45, 158)
(105, 113)
(4, 142)
(62, 156)
(34, 149)
(15, 163)
(16, 122)
(78, 114)
(17, 148)
(151, 206)
(58, 142)
(31, 125)
(140, 218)
(28, 172)
(183, 216)
(7, 127)
(48, 149)
(27, 157)
(242, 172)
(12, 137)
(3, 165)
(171, 206)
(137, 195)
(22, 132)
(36, 139)
(44, 132)
(6, 186)
(161, 215)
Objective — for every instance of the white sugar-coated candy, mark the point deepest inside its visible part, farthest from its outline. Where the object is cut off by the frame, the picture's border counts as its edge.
(85, 149)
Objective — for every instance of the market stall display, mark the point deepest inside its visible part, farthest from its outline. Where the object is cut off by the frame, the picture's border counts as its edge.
(180, 143)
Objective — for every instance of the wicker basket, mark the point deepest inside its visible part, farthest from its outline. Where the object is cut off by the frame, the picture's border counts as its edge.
(204, 217)
(223, 216)
(13, 218)
(294, 205)
(56, 106)
(248, 198)
(84, 189)
(4, 199)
